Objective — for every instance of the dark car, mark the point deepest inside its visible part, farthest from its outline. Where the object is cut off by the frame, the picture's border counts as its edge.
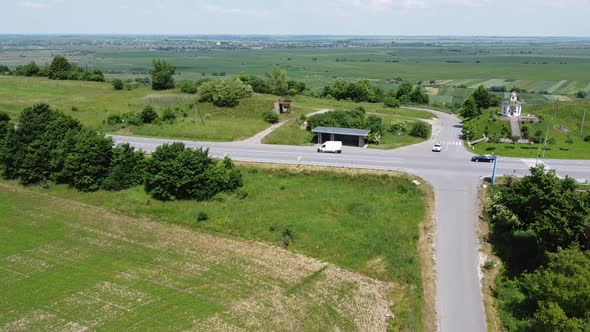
(484, 157)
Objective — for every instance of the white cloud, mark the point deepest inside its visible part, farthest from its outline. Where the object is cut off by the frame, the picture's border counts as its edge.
(34, 4)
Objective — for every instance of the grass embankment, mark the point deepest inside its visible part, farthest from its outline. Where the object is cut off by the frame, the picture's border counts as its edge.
(364, 223)
(566, 126)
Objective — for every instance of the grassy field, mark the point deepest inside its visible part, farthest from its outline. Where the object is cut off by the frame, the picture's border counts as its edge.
(561, 128)
(364, 223)
(70, 266)
(548, 67)
(92, 103)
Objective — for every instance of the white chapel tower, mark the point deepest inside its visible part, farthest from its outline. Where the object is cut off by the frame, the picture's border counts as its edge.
(512, 107)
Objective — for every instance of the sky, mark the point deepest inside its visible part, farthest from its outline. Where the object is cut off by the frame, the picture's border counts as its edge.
(299, 17)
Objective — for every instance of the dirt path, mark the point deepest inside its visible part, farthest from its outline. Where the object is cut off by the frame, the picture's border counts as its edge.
(257, 139)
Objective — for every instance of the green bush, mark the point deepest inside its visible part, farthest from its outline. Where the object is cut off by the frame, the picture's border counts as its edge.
(177, 172)
(421, 129)
(127, 168)
(288, 234)
(118, 84)
(132, 118)
(391, 102)
(202, 216)
(189, 87)
(114, 119)
(148, 115)
(224, 93)
(270, 117)
(168, 116)
(242, 193)
(587, 138)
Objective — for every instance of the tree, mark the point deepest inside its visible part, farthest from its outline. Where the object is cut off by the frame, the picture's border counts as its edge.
(481, 97)
(60, 68)
(469, 108)
(421, 129)
(118, 84)
(177, 172)
(277, 81)
(581, 94)
(558, 294)
(162, 75)
(258, 84)
(148, 115)
(224, 93)
(534, 215)
(419, 96)
(30, 69)
(127, 168)
(404, 92)
(89, 161)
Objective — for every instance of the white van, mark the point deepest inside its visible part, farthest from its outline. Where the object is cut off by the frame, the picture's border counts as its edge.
(331, 146)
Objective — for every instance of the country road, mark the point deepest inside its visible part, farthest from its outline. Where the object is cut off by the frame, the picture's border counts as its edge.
(454, 179)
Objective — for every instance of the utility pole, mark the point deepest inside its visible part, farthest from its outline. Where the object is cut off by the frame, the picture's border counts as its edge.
(200, 115)
(584, 118)
(546, 135)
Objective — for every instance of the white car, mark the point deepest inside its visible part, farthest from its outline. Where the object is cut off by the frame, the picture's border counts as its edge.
(437, 147)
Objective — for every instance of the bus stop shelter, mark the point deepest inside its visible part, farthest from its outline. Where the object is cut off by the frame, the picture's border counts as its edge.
(348, 136)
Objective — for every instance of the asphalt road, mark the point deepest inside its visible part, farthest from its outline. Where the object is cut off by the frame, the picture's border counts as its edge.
(454, 179)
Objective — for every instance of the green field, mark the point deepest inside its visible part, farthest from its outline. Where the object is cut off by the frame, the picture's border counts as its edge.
(566, 125)
(364, 223)
(545, 67)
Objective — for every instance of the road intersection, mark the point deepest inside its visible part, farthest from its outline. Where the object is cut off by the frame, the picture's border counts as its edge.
(454, 179)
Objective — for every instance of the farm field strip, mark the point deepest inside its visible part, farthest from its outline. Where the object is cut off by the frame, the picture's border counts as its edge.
(69, 265)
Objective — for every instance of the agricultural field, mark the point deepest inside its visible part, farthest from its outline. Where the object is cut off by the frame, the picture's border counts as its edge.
(546, 68)
(118, 260)
(566, 139)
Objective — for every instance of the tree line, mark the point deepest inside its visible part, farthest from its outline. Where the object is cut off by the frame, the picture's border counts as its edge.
(59, 69)
(363, 91)
(48, 146)
(536, 228)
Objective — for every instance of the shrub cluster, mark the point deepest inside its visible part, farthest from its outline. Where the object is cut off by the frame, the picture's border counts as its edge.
(270, 117)
(177, 172)
(532, 220)
(60, 69)
(275, 82)
(421, 129)
(224, 93)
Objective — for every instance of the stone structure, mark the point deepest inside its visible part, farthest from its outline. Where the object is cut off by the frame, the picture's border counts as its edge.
(512, 107)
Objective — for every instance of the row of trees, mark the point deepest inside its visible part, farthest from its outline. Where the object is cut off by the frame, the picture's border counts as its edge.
(48, 146)
(363, 91)
(535, 228)
(275, 82)
(60, 69)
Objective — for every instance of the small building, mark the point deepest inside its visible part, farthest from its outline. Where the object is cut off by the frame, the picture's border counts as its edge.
(283, 106)
(348, 136)
(512, 107)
